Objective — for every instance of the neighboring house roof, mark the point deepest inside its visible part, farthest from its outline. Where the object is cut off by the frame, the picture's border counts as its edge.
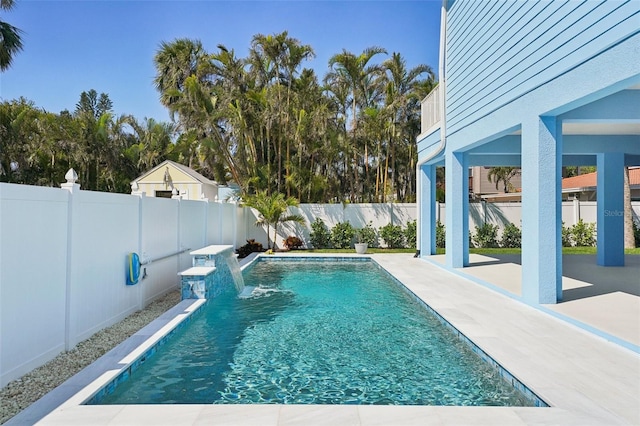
(187, 170)
(589, 181)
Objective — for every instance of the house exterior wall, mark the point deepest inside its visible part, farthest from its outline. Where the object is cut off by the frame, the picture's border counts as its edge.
(499, 51)
(157, 176)
(189, 187)
(514, 73)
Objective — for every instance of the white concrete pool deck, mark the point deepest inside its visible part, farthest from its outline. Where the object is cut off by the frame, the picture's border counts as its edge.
(586, 379)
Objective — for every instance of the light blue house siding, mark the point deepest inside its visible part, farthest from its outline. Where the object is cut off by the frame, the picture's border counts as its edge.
(538, 85)
(498, 51)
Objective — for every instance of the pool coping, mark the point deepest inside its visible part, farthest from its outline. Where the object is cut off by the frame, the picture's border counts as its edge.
(63, 405)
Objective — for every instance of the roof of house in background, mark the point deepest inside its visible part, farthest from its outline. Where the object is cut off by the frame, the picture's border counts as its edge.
(187, 170)
(589, 180)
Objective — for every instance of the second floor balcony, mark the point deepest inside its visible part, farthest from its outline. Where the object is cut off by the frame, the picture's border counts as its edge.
(430, 110)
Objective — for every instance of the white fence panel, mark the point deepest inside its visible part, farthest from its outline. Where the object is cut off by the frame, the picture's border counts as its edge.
(102, 233)
(33, 253)
(214, 228)
(228, 223)
(192, 235)
(159, 241)
(502, 213)
(589, 211)
(242, 226)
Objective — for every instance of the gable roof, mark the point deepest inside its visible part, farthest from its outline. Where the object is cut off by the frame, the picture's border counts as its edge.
(187, 170)
(590, 180)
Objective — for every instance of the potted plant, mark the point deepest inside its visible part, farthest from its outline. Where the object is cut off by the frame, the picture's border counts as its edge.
(361, 245)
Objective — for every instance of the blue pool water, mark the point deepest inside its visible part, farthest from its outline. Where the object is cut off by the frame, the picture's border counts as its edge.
(316, 333)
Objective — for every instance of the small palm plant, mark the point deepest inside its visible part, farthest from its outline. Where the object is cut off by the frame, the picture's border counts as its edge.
(272, 209)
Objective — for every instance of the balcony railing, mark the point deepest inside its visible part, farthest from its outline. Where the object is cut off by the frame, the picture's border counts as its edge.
(430, 109)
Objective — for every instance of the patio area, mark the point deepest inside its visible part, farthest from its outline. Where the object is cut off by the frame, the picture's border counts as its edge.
(585, 378)
(604, 300)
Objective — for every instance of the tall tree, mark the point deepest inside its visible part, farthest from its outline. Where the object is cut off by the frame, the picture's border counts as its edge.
(402, 99)
(10, 40)
(356, 75)
(94, 114)
(175, 62)
(274, 61)
(153, 143)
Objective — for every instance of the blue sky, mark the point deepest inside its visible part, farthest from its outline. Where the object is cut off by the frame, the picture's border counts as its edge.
(75, 46)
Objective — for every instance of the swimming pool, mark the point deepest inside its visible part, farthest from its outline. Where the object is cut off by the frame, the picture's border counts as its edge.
(315, 333)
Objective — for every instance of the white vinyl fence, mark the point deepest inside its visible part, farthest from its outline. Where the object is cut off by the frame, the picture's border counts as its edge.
(378, 215)
(63, 262)
(63, 255)
(358, 215)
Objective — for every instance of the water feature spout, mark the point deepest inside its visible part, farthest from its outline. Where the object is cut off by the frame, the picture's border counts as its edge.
(227, 268)
(234, 268)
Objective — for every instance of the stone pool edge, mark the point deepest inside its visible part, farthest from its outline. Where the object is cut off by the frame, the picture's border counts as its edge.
(139, 356)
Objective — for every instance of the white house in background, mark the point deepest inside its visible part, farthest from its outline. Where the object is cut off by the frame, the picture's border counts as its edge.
(170, 178)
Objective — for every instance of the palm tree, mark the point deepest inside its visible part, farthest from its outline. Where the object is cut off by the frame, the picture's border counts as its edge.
(402, 92)
(504, 175)
(357, 76)
(272, 210)
(175, 62)
(274, 60)
(95, 115)
(10, 41)
(153, 142)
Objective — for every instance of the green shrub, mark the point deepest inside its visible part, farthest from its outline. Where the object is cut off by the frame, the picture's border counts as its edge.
(292, 242)
(441, 235)
(252, 246)
(566, 236)
(392, 235)
(320, 236)
(367, 235)
(410, 233)
(511, 236)
(486, 236)
(636, 234)
(342, 235)
(583, 234)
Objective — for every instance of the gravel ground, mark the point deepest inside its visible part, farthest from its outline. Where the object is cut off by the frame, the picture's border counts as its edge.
(21, 393)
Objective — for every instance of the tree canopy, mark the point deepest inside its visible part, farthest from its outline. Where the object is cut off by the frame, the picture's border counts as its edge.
(263, 121)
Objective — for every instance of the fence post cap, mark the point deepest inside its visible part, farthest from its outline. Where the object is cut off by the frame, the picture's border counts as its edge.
(71, 176)
(70, 185)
